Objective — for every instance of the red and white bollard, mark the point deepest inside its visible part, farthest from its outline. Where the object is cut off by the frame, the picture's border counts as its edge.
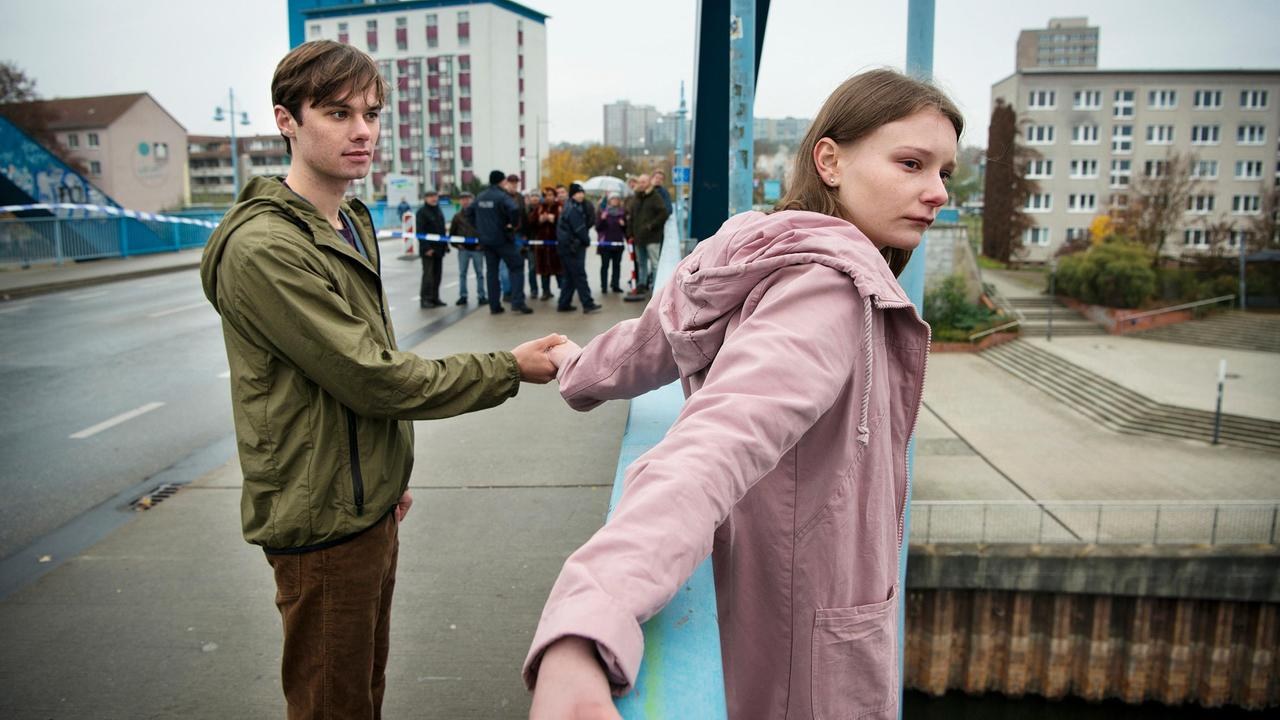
(635, 295)
(407, 231)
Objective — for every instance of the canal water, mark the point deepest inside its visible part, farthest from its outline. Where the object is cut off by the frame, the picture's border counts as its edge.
(958, 706)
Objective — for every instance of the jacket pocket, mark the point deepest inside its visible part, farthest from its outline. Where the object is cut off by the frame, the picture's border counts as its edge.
(353, 447)
(855, 668)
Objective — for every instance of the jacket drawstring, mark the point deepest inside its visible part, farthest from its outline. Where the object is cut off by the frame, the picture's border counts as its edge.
(864, 432)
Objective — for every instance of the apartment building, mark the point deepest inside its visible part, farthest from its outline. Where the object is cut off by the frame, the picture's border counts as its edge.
(468, 85)
(1067, 42)
(1097, 130)
(210, 167)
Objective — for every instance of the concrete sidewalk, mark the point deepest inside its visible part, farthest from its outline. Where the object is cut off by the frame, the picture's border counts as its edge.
(40, 278)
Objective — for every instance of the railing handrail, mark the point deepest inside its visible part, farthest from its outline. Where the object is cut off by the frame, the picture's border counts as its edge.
(1107, 503)
(1184, 306)
(984, 333)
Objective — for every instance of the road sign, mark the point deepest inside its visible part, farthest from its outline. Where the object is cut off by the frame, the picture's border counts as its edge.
(680, 174)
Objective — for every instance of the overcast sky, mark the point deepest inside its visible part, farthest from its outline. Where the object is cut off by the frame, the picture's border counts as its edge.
(187, 54)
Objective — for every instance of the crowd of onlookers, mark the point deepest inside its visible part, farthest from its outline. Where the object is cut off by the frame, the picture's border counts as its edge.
(544, 235)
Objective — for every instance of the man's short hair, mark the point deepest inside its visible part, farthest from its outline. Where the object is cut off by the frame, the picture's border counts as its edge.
(323, 71)
(497, 177)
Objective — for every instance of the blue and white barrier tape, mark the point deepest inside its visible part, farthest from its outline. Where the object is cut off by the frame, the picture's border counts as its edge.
(462, 240)
(108, 210)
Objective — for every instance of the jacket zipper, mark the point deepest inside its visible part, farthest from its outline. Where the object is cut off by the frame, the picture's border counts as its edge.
(915, 421)
(357, 479)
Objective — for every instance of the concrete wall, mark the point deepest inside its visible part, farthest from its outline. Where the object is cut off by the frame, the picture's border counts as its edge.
(948, 253)
(1189, 625)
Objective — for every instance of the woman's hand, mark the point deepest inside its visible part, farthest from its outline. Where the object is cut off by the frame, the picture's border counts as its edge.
(571, 684)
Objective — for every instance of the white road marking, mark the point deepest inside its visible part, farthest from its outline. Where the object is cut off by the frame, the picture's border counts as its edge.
(88, 296)
(449, 285)
(180, 308)
(15, 308)
(123, 417)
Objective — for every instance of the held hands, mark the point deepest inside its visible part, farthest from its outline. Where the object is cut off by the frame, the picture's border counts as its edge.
(540, 360)
(563, 353)
(571, 684)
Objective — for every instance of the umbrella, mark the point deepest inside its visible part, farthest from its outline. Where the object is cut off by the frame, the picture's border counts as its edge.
(605, 184)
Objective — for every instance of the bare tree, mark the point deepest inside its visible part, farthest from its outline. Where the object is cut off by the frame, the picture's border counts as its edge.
(1006, 187)
(1263, 230)
(15, 86)
(1159, 198)
(18, 105)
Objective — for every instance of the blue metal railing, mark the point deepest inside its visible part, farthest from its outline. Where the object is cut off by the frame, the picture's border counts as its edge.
(53, 239)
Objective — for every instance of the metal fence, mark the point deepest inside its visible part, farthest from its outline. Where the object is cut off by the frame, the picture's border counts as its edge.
(1086, 522)
(34, 240)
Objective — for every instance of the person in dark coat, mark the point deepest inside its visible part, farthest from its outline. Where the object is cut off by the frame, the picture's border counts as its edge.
(611, 228)
(495, 215)
(546, 259)
(572, 239)
(430, 220)
(468, 255)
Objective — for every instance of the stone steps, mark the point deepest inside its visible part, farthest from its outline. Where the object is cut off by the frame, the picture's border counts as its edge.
(1236, 330)
(1121, 409)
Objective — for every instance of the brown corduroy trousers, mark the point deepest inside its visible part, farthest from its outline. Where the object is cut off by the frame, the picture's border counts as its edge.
(336, 608)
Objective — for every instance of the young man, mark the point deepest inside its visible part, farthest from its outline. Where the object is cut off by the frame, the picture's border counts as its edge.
(430, 220)
(647, 215)
(322, 398)
(572, 239)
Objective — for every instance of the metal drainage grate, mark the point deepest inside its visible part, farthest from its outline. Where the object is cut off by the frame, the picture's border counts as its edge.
(153, 498)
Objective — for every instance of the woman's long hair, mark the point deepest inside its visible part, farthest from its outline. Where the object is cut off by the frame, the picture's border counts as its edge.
(856, 108)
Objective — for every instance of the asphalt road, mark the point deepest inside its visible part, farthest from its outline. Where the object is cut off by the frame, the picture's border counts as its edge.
(105, 387)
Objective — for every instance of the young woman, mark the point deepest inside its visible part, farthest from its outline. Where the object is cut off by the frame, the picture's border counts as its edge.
(611, 228)
(803, 365)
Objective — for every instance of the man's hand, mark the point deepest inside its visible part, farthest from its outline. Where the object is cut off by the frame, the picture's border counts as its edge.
(534, 360)
(562, 353)
(402, 507)
(571, 684)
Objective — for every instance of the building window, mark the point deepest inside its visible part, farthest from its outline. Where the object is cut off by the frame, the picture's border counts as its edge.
(93, 139)
(1207, 100)
(1042, 100)
(402, 33)
(1253, 99)
(1039, 202)
(1251, 134)
(1040, 134)
(1205, 134)
(1159, 134)
(1118, 200)
(1084, 169)
(343, 37)
(1195, 237)
(1246, 204)
(1162, 99)
(1035, 236)
(433, 31)
(1122, 139)
(1077, 233)
(314, 31)
(1205, 170)
(1087, 100)
(464, 28)
(1200, 204)
(1123, 105)
(73, 139)
(1040, 169)
(1082, 202)
(95, 167)
(464, 63)
(1155, 168)
(1084, 135)
(371, 35)
(1248, 169)
(1237, 238)
(1121, 172)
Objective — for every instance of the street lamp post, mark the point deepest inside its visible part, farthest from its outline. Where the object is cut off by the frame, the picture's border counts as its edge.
(235, 149)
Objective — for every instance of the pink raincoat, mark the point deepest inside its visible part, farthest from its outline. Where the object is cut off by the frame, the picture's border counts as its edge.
(803, 364)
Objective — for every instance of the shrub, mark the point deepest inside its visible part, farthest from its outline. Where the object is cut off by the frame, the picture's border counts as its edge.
(1112, 274)
(952, 317)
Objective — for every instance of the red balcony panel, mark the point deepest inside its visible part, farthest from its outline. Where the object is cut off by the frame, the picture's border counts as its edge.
(402, 83)
(464, 104)
(520, 61)
(522, 107)
(521, 83)
(404, 131)
(433, 105)
(433, 33)
(371, 38)
(464, 128)
(433, 65)
(464, 30)
(406, 155)
(435, 130)
(467, 176)
(465, 152)
(402, 36)
(403, 107)
(464, 62)
(519, 37)
(377, 179)
(433, 82)
(464, 79)
(344, 38)
(521, 136)
(402, 65)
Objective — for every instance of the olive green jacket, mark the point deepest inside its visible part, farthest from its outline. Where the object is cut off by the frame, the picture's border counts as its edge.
(322, 398)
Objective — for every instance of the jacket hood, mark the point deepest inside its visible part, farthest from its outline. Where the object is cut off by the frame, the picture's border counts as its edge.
(715, 280)
(261, 196)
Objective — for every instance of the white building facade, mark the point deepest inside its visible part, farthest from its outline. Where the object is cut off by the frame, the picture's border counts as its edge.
(468, 87)
(1098, 130)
